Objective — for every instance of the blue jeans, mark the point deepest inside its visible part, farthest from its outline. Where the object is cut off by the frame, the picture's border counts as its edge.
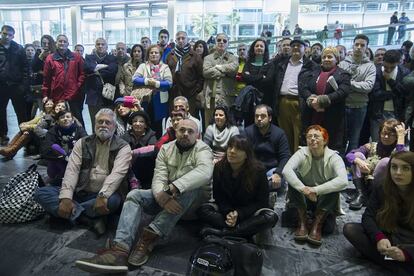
(354, 121)
(138, 201)
(375, 124)
(84, 202)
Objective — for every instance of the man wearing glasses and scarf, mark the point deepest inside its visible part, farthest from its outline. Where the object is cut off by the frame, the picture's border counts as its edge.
(187, 70)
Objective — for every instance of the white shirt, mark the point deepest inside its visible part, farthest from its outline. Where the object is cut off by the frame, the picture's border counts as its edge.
(290, 80)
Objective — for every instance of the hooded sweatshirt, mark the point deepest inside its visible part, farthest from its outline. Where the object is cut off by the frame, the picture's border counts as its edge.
(362, 81)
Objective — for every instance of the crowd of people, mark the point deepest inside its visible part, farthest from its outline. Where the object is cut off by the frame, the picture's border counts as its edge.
(184, 131)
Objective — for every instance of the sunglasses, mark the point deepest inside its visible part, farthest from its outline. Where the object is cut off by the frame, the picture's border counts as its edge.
(222, 40)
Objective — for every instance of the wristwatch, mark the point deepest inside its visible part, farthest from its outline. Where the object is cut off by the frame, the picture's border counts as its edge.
(102, 195)
(166, 188)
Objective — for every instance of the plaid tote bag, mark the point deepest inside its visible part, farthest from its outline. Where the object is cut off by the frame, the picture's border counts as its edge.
(17, 202)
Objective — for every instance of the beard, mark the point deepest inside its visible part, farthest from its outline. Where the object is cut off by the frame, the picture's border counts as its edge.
(104, 134)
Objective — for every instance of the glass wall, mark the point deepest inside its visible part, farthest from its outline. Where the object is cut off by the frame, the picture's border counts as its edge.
(31, 24)
(126, 23)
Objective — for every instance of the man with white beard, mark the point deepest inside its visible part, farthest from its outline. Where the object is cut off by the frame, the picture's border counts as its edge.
(94, 183)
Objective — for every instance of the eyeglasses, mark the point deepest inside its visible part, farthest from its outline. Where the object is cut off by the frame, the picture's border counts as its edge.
(315, 136)
(386, 133)
(222, 40)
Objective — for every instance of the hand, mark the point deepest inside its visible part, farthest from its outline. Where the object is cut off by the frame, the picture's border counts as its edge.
(231, 218)
(45, 99)
(383, 245)
(400, 130)
(362, 165)
(43, 54)
(65, 208)
(173, 207)
(101, 205)
(151, 82)
(310, 193)
(100, 66)
(174, 190)
(276, 181)
(162, 198)
(23, 127)
(395, 253)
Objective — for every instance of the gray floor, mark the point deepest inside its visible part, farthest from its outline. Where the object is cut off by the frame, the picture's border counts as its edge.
(42, 248)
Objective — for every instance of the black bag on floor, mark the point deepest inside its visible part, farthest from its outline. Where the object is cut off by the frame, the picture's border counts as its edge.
(17, 202)
(246, 258)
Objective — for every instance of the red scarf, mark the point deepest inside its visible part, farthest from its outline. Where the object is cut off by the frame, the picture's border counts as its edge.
(321, 83)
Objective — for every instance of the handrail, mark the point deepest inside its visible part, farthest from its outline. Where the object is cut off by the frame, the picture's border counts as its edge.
(312, 35)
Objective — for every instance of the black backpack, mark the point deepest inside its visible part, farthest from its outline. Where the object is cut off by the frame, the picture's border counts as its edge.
(246, 258)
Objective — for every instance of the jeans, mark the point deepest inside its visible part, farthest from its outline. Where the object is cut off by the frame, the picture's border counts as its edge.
(84, 202)
(354, 121)
(375, 124)
(138, 201)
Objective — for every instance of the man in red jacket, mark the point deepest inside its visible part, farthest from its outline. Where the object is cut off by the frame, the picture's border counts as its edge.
(63, 76)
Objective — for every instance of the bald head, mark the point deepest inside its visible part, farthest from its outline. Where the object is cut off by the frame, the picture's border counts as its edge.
(186, 133)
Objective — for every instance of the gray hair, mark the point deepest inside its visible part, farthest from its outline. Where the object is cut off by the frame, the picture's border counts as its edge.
(181, 98)
(106, 111)
(223, 34)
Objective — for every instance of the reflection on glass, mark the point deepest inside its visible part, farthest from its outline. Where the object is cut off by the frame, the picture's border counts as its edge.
(135, 29)
(114, 31)
(32, 31)
(91, 31)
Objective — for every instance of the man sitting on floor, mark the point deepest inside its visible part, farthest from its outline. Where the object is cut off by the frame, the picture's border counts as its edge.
(94, 179)
(181, 180)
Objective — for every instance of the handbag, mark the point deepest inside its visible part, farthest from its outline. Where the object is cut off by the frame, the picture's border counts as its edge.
(108, 90)
(142, 94)
(17, 202)
(247, 257)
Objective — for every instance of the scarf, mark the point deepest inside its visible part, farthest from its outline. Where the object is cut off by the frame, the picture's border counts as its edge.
(180, 53)
(222, 137)
(155, 71)
(321, 83)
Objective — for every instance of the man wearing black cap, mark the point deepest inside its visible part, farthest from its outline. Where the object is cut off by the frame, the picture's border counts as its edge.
(288, 74)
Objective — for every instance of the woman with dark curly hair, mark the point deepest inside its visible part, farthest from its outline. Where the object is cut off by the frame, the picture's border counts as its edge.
(241, 193)
(386, 232)
(258, 71)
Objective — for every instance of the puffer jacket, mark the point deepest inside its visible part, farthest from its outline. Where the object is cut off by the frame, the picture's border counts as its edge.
(63, 76)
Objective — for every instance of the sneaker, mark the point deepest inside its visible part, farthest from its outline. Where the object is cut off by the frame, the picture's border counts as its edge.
(140, 254)
(111, 260)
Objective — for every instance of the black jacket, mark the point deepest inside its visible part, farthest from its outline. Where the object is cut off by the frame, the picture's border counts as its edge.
(369, 221)
(334, 115)
(148, 139)
(280, 65)
(93, 84)
(271, 149)
(230, 194)
(54, 136)
(14, 66)
(260, 77)
(379, 95)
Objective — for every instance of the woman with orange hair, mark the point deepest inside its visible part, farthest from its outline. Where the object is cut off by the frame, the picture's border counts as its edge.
(386, 232)
(316, 175)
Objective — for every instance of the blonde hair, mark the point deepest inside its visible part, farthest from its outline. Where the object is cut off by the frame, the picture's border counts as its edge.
(331, 50)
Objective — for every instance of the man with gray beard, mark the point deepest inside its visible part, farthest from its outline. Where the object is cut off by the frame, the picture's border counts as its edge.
(94, 183)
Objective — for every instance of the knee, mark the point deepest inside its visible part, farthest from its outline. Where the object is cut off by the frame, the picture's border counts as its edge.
(270, 217)
(205, 210)
(349, 230)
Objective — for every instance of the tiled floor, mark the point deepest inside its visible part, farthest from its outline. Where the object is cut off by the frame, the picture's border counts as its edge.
(41, 248)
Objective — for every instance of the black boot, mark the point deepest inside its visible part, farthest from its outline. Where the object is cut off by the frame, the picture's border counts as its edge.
(265, 219)
(361, 198)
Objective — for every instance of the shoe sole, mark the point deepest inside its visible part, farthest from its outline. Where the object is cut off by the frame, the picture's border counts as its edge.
(97, 268)
(300, 238)
(138, 263)
(314, 242)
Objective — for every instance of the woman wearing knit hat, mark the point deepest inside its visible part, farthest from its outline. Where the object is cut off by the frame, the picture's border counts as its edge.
(322, 96)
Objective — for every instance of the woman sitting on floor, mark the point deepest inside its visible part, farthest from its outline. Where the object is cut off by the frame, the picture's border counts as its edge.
(370, 160)
(58, 145)
(386, 233)
(241, 193)
(316, 175)
(26, 132)
(218, 134)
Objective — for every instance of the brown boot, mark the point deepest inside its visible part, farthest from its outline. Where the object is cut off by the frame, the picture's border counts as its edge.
(315, 235)
(301, 233)
(140, 254)
(17, 143)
